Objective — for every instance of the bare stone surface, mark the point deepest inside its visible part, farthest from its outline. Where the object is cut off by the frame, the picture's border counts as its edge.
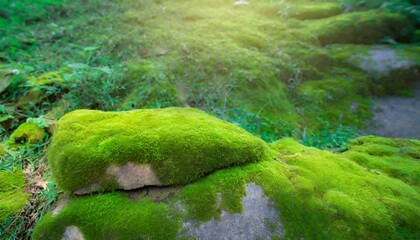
(62, 201)
(382, 60)
(72, 233)
(132, 176)
(398, 116)
(92, 188)
(259, 220)
(156, 194)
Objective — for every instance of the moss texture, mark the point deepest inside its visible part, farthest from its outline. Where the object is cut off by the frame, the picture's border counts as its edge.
(112, 216)
(212, 56)
(27, 133)
(48, 78)
(398, 158)
(13, 197)
(320, 195)
(343, 198)
(315, 10)
(181, 144)
(2, 150)
(363, 28)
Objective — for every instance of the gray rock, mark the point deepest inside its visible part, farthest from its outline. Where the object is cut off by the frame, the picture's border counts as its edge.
(130, 176)
(72, 233)
(259, 220)
(397, 117)
(381, 61)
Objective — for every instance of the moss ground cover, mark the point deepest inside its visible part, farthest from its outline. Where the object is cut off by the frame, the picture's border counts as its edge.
(210, 56)
(275, 68)
(13, 197)
(320, 195)
(399, 158)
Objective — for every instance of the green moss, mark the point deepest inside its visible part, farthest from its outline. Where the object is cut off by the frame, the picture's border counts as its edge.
(399, 158)
(315, 10)
(111, 216)
(48, 78)
(2, 150)
(344, 199)
(201, 199)
(217, 57)
(311, 188)
(363, 27)
(152, 87)
(182, 145)
(13, 197)
(27, 133)
(335, 101)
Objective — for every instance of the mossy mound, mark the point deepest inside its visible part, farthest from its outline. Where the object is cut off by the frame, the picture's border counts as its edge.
(344, 199)
(319, 195)
(27, 133)
(399, 158)
(180, 144)
(13, 197)
(363, 28)
(315, 10)
(48, 78)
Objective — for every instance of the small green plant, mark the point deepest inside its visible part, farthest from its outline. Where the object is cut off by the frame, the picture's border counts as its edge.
(265, 128)
(335, 140)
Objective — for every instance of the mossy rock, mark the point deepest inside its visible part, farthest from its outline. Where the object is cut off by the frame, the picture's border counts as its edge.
(27, 133)
(378, 69)
(317, 195)
(399, 158)
(13, 197)
(41, 89)
(91, 149)
(368, 27)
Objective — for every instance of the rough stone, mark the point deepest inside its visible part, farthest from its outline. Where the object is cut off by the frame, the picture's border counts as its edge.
(132, 176)
(259, 220)
(72, 233)
(381, 61)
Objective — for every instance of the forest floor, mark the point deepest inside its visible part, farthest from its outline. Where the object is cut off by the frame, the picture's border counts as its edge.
(321, 73)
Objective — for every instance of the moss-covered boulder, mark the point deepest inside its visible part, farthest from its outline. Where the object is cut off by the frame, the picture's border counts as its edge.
(315, 195)
(13, 197)
(94, 150)
(398, 158)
